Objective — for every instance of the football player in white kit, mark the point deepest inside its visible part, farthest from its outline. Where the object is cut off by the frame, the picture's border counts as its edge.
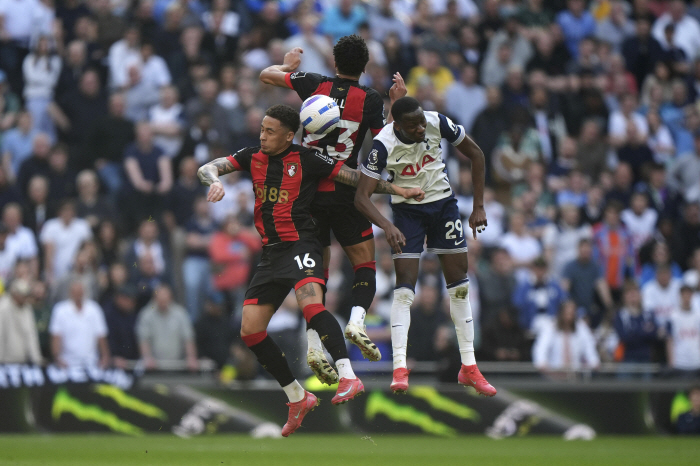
(409, 150)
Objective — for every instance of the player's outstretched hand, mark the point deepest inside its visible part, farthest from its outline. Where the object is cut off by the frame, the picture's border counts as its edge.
(395, 238)
(398, 89)
(477, 220)
(414, 193)
(292, 59)
(216, 192)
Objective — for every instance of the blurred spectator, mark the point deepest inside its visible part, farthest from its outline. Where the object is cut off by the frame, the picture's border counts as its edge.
(120, 314)
(641, 51)
(660, 140)
(466, 89)
(41, 70)
(520, 47)
(561, 241)
(185, 190)
(147, 243)
(8, 259)
(583, 280)
(636, 329)
(18, 143)
(149, 176)
(427, 314)
(684, 173)
(488, 126)
(61, 175)
(165, 332)
(91, 206)
(565, 345)
(19, 342)
(613, 249)
(639, 219)
(342, 19)
(108, 243)
(83, 270)
(203, 134)
(660, 256)
(37, 163)
(576, 23)
(9, 104)
(517, 148)
(616, 27)
(318, 52)
(575, 189)
(154, 71)
(167, 121)
(122, 54)
(78, 331)
(214, 332)
(537, 299)
(139, 96)
(107, 143)
(196, 266)
(38, 208)
(692, 276)
(686, 234)
(206, 102)
(661, 295)
(231, 250)
(429, 71)
(520, 244)
(689, 422)
(683, 343)
(687, 29)
(496, 287)
(503, 340)
(20, 239)
(61, 238)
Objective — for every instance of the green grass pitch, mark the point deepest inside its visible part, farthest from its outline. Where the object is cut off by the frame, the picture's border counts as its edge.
(313, 449)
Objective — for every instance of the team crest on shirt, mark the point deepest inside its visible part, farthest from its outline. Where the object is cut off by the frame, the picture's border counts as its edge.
(292, 168)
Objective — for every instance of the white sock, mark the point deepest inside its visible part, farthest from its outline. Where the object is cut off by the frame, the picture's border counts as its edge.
(357, 315)
(345, 369)
(314, 340)
(295, 392)
(400, 321)
(461, 312)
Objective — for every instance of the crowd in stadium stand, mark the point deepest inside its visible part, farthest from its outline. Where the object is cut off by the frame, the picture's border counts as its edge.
(588, 114)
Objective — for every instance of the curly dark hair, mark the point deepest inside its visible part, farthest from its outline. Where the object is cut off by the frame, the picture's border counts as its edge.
(287, 116)
(351, 55)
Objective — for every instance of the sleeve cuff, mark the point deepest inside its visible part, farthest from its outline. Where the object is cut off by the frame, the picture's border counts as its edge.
(370, 173)
(234, 162)
(288, 80)
(375, 131)
(460, 138)
(336, 169)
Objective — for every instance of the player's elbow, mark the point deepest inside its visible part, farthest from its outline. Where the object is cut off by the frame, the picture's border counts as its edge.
(266, 76)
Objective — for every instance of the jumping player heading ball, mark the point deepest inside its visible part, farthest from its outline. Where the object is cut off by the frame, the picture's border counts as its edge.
(333, 208)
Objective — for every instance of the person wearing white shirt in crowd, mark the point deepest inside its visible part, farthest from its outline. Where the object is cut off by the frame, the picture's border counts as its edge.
(561, 241)
(495, 211)
(661, 295)
(230, 23)
(626, 115)
(20, 238)
(465, 8)
(467, 89)
(41, 70)
(19, 339)
(235, 187)
(19, 19)
(8, 258)
(61, 238)
(565, 345)
(78, 331)
(687, 29)
(683, 341)
(521, 245)
(122, 54)
(154, 70)
(167, 122)
(692, 275)
(660, 140)
(639, 219)
(318, 52)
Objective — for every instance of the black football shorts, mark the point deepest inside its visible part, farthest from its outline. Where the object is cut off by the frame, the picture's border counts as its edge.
(336, 211)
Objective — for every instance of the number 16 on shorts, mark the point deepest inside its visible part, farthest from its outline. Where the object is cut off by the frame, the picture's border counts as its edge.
(307, 261)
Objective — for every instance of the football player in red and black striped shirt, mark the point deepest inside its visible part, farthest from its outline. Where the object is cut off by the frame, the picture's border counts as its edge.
(285, 179)
(362, 109)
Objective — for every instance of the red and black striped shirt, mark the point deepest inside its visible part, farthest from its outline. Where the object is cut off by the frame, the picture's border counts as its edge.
(361, 109)
(284, 187)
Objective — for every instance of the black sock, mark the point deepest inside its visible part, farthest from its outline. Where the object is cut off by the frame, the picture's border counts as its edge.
(364, 287)
(271, 357)
(332, 337)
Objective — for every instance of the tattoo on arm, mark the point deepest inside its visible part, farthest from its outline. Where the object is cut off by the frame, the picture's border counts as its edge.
(352, 177)
(305, 291)
(209, 173)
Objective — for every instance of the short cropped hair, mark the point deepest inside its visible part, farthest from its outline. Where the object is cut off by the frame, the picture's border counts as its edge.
(287, 116)
(403, 106)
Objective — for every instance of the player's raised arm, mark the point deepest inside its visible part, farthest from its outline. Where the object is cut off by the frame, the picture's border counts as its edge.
(477, 220)
(209, 176)
(277, 74)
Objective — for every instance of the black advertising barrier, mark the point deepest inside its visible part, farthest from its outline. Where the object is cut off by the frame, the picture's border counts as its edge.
(27, 375)
(259, 409)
